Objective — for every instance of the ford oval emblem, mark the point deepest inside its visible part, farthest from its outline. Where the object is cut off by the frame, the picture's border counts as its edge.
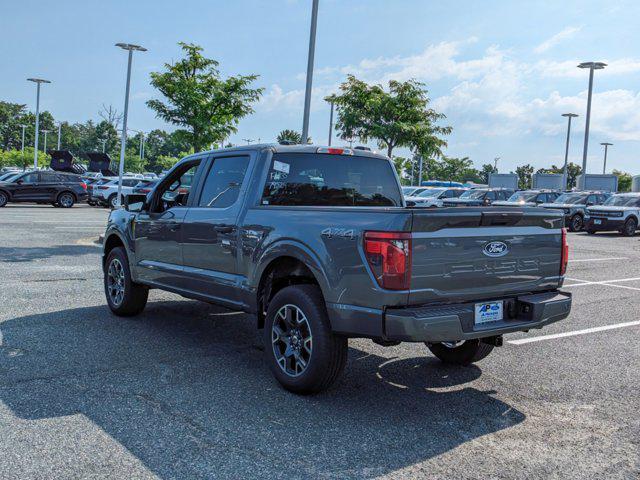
(495, 249)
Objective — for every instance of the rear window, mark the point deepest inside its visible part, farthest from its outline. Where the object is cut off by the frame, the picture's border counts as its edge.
(330, 180)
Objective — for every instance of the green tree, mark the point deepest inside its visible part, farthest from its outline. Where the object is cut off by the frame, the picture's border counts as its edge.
(197, 98)
(11, 115)
(484, 172)
(399, 117)
(525, 173)
(289, 136)
(624, 180)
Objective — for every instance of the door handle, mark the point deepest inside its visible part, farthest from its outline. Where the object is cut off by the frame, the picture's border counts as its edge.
(224, 229)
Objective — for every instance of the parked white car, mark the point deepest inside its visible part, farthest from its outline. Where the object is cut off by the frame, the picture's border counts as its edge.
(106, 193)
(433, 197)
(620, 212)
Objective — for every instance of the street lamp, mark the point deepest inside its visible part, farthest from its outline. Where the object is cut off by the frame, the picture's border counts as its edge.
(45, 140)
(59, 133)
(123, 143)
(307, 92)
(22, 148)
(606, 147)
(330, 122)
(566, 150)
(591, 66)
(37, 81)
(248, 140)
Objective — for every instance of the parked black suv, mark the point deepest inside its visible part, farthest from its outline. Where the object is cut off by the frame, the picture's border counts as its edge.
(58, 189)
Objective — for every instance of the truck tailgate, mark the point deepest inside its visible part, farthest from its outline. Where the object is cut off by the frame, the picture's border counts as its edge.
(482, 253)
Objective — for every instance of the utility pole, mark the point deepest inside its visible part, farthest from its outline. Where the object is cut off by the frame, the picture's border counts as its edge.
(606, 147)
(330, 123)
(59, 133)
(495, 164)
(123, 143)
(38, 82)
(592, 66)
(566, 150)
(45, 140)
(307, 92)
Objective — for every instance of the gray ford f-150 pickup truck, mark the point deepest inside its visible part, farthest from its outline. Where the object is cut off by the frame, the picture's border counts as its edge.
(319, 245)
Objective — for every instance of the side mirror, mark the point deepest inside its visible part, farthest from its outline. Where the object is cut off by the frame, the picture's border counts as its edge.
(590, 204)
(135, 202)
(410, 203)
(20, 182)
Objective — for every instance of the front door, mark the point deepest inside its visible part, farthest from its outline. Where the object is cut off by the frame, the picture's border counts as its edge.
(27, 188)
(210, 234)
(157, 232)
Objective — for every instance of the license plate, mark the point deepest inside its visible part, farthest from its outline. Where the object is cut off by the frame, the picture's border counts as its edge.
(488, 312)
(597, 221)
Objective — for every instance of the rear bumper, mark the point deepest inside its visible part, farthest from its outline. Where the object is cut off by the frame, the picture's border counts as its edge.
(605, 224)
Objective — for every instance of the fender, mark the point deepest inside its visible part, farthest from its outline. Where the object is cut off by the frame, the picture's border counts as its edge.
(287, 247)
(113, 230)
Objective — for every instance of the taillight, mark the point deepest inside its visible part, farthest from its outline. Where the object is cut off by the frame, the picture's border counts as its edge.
(564, 256)
(145, 190)
(83, 185)
(389, 257)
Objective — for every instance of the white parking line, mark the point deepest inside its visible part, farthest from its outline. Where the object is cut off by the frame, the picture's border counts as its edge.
(523, 341)
(596, 259)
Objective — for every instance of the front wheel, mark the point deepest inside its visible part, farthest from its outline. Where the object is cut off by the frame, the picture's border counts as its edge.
(464, 352)
(630, 227)
(575, 225)
(4, 199)
(301, 350)
(124, 297)
(113, 201)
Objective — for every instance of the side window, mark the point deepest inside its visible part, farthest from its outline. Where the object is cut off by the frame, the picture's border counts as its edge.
(490, 195)
(591, 199)
(48, 177)
(175, 188)
(129, 182)
(222, 185)
(542, 198)
(30, 178)
(448, 194)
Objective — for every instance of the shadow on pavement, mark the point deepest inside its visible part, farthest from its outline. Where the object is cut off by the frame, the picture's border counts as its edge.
(184, 389)
(28, 254)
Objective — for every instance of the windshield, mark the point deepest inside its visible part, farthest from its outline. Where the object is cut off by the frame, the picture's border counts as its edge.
(408, 190)
(571, 198)
(623, 201)
(523, 197)
(473, 194)
(431, 192)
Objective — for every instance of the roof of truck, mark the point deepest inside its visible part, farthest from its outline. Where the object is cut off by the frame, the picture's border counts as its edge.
(277, 148)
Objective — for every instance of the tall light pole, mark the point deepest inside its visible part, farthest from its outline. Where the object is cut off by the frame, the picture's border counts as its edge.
(141, 145)
(330, 123)
(591, 66)
(495, 163)
(123, 143)
(22, 148)
(566, 150)
(104, 144)
(307, 92)
(606, 147)
(59, 133)
(248, 140)
(38, 82)
(45, 140)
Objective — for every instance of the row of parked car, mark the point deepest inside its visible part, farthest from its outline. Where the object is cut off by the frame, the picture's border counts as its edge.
(591, 211)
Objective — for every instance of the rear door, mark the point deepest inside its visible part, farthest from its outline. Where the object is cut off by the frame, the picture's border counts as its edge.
(48, 185)
(210, 231)
(472, 253)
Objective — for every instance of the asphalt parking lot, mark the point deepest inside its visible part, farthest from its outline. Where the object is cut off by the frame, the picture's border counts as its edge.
(182, 392)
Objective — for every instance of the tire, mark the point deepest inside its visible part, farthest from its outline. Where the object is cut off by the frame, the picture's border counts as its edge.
(66, 200)
(630, 227)
(591, 232)
(299, 315)
(55, 204)
(113, 201)
(470, 351)
(4, 199)
(576, 223)
(133, 296)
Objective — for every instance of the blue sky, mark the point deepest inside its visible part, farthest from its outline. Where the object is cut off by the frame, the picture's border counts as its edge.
(502, 71)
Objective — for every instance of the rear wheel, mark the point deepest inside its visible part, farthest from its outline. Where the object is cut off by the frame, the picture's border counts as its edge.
(575, 225)
(591, 231)
(630, 227)
(464, 352)
(124, 297)
(4, 199)
(65, 200)
(113, 200)
(301, 350)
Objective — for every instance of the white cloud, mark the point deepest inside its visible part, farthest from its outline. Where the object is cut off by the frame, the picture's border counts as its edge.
(557, 38)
